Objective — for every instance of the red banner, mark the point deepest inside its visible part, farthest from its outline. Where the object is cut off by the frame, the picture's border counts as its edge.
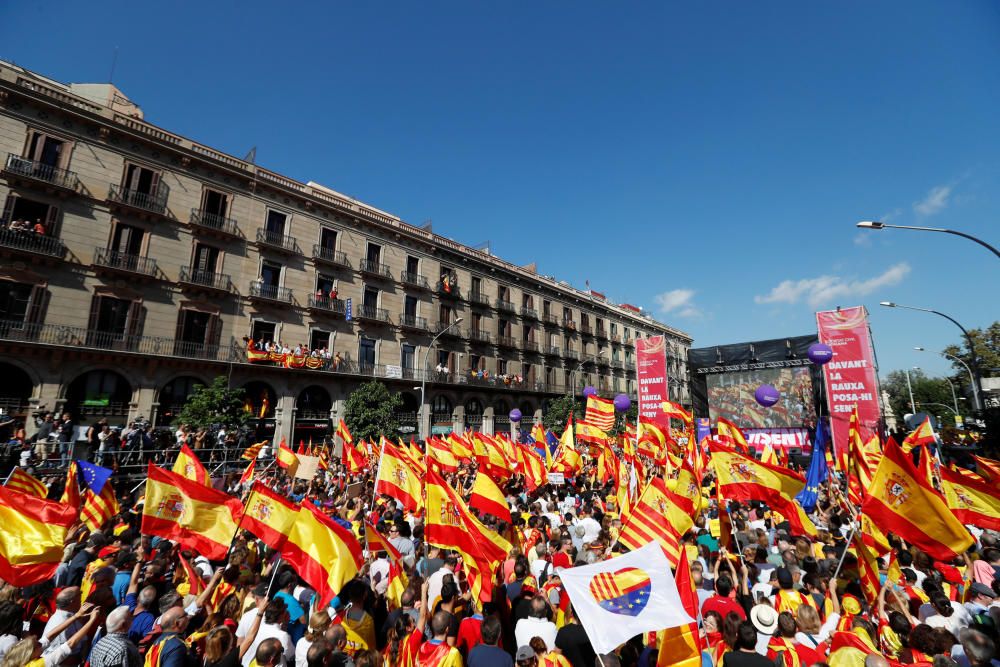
(850, 377)
(651, 373)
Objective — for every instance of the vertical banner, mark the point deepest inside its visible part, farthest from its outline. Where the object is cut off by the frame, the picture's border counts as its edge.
(851, 377)
(651, 373)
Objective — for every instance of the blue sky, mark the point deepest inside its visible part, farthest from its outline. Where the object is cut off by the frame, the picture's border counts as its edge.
(707, 161)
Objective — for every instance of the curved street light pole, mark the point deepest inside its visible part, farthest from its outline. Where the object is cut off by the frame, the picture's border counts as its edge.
(972, 378)
(423, 378)
(968, 339)
(874, 224)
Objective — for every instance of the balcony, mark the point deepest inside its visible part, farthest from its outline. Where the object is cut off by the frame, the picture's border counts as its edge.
(277, 241)
(414, 280)
(43, 176)
(616, 363)
(500, 304)
(507, 341)
(371, 314)
(590, 359)
(205, 280)
(448, 290)
(412, 322)
(139, 202)
(569, 324)
(447, 329)
(272, 293)
(324, 305)
(373, 267)
(529, 313)
(478, 336)
(214, 224)
(628, 342)
(330, 256)
(602, 333)
(551, 319)
(553, 351)
(57, 335)
(479, 299)
(616, 339)
(570, 353)
(112, 260)
(529, 346)
(586, 330)
(602, 360)
(31, 243)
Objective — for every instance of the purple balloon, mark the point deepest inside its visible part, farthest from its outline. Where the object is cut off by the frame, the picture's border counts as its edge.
(820, 353)
(589, 391)
(622, 402)
(767, 395)
(515, 415)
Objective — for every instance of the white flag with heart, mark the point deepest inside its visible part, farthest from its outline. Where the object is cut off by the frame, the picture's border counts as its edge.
(619, 598)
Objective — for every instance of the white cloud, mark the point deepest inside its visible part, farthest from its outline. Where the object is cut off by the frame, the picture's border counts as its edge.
(863, 239)
(935, 201)
(678, 300)
(825, 289)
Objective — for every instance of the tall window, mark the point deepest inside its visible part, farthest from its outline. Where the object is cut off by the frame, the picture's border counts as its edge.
(127, 239)
(374, 253)
(328, 239)
(445, 315)
(477, 285)
(270, 273)
(410, 306)
(112, 315)
(501, 367)
(14, 299)
(196, 326)
(319, 340)
(206, 258)
(215, 203)
(412, 265)
(262, 332)
(371, 297)
(275, 223)
(47, 150)
(366, 354)
(407, 356)
(142, 180)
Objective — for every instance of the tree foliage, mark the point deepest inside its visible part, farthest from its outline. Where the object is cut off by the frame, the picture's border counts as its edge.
(371, 412)
(558, 410)
(214, 404)
(926, 391)
(987, 342)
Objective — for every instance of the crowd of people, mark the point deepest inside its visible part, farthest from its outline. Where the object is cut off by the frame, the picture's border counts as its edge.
(768, 598)
(24, 226)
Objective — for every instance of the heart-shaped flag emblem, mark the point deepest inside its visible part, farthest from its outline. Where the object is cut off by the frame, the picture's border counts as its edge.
(625, 591)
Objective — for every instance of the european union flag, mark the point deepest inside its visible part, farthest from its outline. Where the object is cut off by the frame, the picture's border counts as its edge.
(551, 441)
(817, 470)
(95, 477)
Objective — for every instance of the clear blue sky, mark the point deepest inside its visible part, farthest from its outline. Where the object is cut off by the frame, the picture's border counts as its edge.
(704, 160)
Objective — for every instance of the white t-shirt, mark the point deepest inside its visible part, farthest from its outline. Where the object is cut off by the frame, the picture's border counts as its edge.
(591, 530)
(530, 627)
(246, 622)
(301, 651)
(267, 631)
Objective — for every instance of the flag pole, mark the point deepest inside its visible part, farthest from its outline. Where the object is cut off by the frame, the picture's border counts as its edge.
(850, 539)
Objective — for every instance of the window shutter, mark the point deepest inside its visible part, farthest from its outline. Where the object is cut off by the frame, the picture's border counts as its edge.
(214, 333)
(8, 209)
(36, 306)
(95, 310)
(136, 316)
(51, 218)
(179, 332)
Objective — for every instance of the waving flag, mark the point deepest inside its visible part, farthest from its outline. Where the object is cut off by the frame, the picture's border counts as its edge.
(325, 554)
(439, 456)
(987, 469)
(730, 433)
(617, 599)
(251, 452)
(489, 499)
(818, 472)
(397, 479)
(287, 458)
(923, 435)
(912, 509)
(398, 580)
(99, 508)
(352, 458)
(600, 412)
(974, 503)
(20, 480)
(269, 516)
(94, 477)
(343, 432)
(675, 411)
(248, 474)
(71, 494)
(655, 518)
(530, 465)
(188, 466)
(32, 538)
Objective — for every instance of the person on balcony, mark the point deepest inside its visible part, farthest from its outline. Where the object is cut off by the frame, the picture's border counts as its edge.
(39, 227)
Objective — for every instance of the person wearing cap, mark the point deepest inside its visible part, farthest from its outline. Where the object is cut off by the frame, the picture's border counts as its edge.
(980, 597)
(526, 657)
(786, 598)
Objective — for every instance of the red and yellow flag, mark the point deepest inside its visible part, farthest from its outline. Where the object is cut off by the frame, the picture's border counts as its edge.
(325, 554)
(197, 517)
(489, 499)
(439, 456)
(188, 466)
(923, 435)
(344, 433)
(530, 464)
(32, 538)
(251, 452)
(972, 502)
(591, 434)
(71, 494)
(268, 515)
(99, 508)
(675, 411)
(987, 469)
(397, 579)
(600, 412)
(609, 468)
(22, 481)
(910, 507)
(730, 434)
(654, 518)
(248, 474)
(396, 478)
(450, 525)
(353, 458)
(744, 478)
(287, 458)
(868, 570)
(681, 646)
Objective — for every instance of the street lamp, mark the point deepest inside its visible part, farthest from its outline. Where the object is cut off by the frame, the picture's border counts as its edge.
(909, 387)
(872, 224)
(423, 376)
(968, 339)
(972, 378)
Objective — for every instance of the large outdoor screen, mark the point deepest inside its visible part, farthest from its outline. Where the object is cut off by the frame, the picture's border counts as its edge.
(731, 395)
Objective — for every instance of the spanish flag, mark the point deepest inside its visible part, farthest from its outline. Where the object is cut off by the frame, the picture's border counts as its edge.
(686, 491)
(439, 456)
(489, 499)
(343, 432)
(744, 478)
(609, 468)
(188, 466)
(397, 479)
(352, 458)
(530, 465)
(196, 516)
(460, 447)
(491, 459)
(910, 507)
(675, 411)
(849, 649)
(730, 434)
(538, 433)
(248, 474)
(325, 554)
(923, 435)
(450, 525)
(654, 518)
(32, 538)
(589, 433)
(287, 458)
(268, 515)
(22, 481)
(987, 469)
(600, 412)
(398, 581)
(681, 646)
(972, 503)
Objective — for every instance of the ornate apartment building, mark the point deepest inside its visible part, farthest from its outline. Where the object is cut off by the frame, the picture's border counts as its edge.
(136, 263)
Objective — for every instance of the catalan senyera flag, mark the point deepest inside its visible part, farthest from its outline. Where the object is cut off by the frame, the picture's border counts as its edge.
(71, 494)
(530, 464)
(973, 503)
(343, 432)
(600, 412)
(397, 479)
(197, 517)
(868, 570)
(489, 499)
(33, 536)
(439, 456)
(251, 452)
(287, 458)
(268, 515)
(188, 466)
(21, 480)
(99, 508)
(654, 519)
(744, 478)
(450, 525)
(325, 554)
(923, 435)
(910, 507)
(730, 434)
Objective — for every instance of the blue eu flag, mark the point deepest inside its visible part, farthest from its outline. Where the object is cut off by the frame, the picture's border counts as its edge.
(817, 470)
(94, 477)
